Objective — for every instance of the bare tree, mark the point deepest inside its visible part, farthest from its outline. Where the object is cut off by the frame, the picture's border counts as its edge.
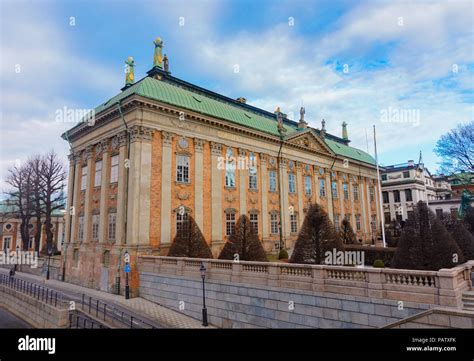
(52, 177)
(35, 164)
(21, 198)
(456, 149)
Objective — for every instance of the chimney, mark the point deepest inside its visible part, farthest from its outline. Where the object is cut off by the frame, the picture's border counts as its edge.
(344, 131)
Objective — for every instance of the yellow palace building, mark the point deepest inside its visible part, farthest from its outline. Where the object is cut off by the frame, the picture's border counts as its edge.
(163, 150)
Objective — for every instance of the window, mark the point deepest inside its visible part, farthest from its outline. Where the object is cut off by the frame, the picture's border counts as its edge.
(387, 218)
(7, 242)
(410, 214)
(293, 223)
(98, 173)
(30, 242)
(106, 259)
(384, 177)
(230, 223)
(454, 212)
(439, 213)
(396, 196)
(114, 161)
(84, 178)
(337, 226)
(182, 169)
(252, 172)
(254, 222)
(399, 217)
(230, 169)
(345, 188)
(406, 174)
(408, 196)
(385, 197)
(322, 188)
(307, 185)
(334, 189)
(80, 229)
(8, 227)
(356, 192)
(95, 227)
(372, 194)
(291, 183)
(274, 223)
(75, 257)
(182, 224)
(358, 226)
(273, 181)
(112, 229)
(373, 223)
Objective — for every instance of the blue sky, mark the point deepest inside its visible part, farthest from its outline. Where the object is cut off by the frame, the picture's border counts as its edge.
(347, 61)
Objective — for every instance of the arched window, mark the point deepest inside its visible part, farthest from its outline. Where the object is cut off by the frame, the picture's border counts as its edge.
(230, 168)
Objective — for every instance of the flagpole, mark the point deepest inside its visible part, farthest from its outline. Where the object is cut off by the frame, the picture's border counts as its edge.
(380, 191)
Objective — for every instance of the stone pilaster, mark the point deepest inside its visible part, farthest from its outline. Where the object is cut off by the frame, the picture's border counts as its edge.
(316, 185)
(104, 182)
(264, 188)
(329, 194)
(199, 183)
(300, 191)
(87, 198)
(120, 143)
(243, 184)
(285, 222)
(216, 192)
(166, 188)
(70, 190)
(362, 197)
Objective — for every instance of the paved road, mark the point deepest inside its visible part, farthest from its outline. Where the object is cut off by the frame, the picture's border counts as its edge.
(9, 320)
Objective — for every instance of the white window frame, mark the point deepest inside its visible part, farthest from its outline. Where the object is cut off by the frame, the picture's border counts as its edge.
(291, 183)
(112, 226)
(98, 173)
(229, 224)
(358, 222)
(293, 223)
(322, 188)
(355, 189)
(114, 169)
(80, 229)
(308, 188)
(345, 189)
(9, 240)
(337, 226)
(84, 178)
(274, 228)
(95, 226)
(273, 180)
(182, 168)
(254, 222)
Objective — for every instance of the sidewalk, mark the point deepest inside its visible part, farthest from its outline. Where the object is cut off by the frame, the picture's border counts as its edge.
(159, 314)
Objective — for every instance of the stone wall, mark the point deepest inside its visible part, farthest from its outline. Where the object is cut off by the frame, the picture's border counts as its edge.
(274, 295)
(38, 314)
(438, 318)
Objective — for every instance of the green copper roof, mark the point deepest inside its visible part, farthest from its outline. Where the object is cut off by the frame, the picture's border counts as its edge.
(7, 207)
(182, 98)
(172, 94)
(349, 152)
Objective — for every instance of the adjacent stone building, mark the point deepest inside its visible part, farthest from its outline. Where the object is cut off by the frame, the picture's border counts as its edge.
(163, 150)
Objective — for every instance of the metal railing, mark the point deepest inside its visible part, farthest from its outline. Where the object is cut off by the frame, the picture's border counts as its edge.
(44, 294)
(76, 320)
(112, 314)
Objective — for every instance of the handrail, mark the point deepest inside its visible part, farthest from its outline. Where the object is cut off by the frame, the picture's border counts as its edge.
(106, 311)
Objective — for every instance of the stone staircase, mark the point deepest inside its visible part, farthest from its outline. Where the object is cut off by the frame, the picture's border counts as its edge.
(468, 300)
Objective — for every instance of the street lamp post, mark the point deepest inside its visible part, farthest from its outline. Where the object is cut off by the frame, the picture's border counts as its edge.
(204, 309)
(50, 251)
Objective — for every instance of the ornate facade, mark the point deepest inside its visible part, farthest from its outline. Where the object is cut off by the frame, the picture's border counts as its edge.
(164, 149)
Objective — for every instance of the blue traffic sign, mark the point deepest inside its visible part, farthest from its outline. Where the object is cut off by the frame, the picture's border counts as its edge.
(127, 268)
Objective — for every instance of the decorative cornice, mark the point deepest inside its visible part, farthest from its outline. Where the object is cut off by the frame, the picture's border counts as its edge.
(216, 148)
(141, 134)
(167, 138)
(242, 152)
(198, 145)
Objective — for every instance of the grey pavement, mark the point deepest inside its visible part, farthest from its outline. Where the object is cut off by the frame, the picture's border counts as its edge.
(158, 314)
